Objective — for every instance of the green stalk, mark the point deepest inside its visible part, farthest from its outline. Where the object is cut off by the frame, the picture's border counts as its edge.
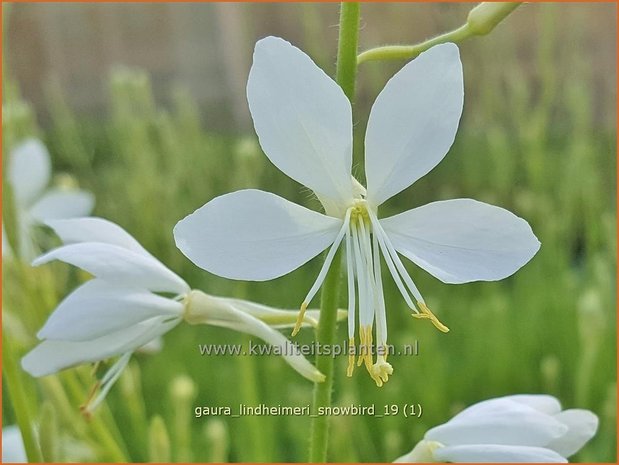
(13, 379)
(325, 334)
(481, 21)
(346, 67)
(407, 52)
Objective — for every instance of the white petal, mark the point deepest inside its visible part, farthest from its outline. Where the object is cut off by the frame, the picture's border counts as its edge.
(52, 356)
(582, 425)
(501, 422)
(227, 316)
(62, 203)
(98, 308)
(152, 347)
(491, 453)
(13, 450)
(118, 265)
(542, 402)
(93, 229)
(253, 235)
(302, 118)
(29, 170)
(463, 240)
(413, 122)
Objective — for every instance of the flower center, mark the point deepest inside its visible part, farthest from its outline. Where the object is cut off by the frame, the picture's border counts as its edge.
(365, 241)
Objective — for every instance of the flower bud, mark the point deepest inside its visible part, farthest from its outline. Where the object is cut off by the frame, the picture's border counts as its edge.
(158, 441)
(484, 17)
(218, 439)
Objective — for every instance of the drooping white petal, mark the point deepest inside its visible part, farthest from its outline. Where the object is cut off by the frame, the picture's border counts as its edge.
(98, 308)
(29, 170)
(13, 450)
(413, 122)
(463, 240)
(227, 316)
(52, 356)
(118, 265)
(506, 423)
(542, 402)
(492, 453)
(582, 425)
(302, 118)
(151, 347)
(93, 229)
(61, 203)
(253, 235)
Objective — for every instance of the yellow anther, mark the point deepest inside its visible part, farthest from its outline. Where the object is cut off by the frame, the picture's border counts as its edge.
(84, 408)
(426, 313)
(362, 346)
(366, 355)
(300, 318)
(351, 357)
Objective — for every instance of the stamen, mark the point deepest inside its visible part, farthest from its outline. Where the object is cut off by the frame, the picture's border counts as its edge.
(426, 313)
(362, 346)
(323, 272)
(392, 269)
(91, 395)
(351, 357)
(300, 318)
(366, 312)
(352, 304)
(379, 299)
(105, 384)
(365, 250)
(362, 281)
(366, 349)
(398, 263)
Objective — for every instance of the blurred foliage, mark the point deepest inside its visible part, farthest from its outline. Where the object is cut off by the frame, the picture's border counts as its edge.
(541, 146)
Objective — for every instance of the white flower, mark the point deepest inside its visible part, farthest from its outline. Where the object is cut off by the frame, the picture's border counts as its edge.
(303, 121)
(13, 450)
(29, 174)
(132, 301)
(512, 429)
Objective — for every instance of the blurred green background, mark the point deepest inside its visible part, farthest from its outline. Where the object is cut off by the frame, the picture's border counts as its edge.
(144, 105)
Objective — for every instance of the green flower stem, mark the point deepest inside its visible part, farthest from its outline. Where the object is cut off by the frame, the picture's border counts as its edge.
(325, 334)
(481, 20)
(12, 377)
(346, 68)
(407, 52)
(257, 435)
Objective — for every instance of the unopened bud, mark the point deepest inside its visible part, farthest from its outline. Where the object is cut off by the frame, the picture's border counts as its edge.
(484, 17)
(158, 441)
(183, 389)
(217, 436)
(591, 320)
(183, 392)
(550, 368)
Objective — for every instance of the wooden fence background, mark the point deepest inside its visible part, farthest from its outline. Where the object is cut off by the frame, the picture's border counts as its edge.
(207, 47)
